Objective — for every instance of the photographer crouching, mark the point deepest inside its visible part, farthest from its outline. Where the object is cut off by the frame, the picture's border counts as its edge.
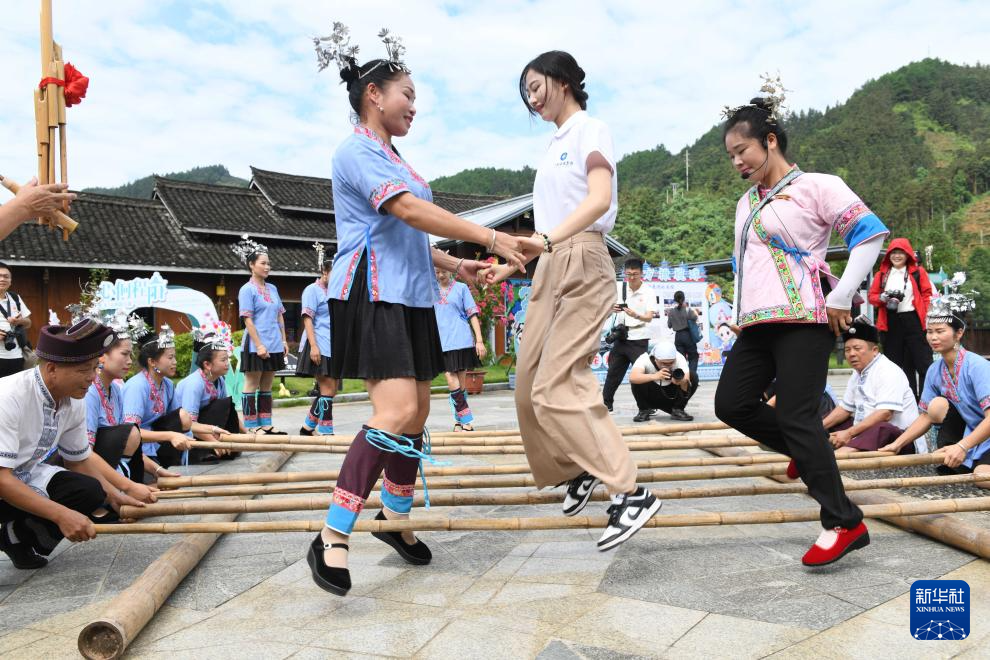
(661, 379)
(630, 334)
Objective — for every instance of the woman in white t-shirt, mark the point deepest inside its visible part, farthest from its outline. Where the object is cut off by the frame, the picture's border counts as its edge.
(13, 314)
(566, 429)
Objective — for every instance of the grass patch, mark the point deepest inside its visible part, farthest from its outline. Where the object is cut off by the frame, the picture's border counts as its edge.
(300, 386)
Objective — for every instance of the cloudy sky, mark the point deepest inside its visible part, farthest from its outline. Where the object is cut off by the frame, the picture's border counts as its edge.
(180, 84)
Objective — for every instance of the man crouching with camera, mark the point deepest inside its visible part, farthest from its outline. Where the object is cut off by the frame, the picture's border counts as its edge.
(661, 379)
(630, 335)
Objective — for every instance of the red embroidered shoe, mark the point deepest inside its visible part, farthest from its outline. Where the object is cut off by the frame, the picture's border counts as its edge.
(834, 544)
(792, 472)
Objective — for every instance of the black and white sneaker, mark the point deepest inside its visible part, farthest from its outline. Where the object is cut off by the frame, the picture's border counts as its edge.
(579, 491)
(627, 515)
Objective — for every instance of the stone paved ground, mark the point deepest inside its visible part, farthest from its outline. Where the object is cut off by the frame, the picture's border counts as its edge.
(702, 592)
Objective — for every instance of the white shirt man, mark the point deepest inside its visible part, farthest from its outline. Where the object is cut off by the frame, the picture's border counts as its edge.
(635, 312)
(878, 403)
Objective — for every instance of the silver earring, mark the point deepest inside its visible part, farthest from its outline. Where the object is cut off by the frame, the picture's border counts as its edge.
(381, 109)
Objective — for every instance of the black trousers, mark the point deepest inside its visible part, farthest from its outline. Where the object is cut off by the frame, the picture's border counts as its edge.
(220, 412)
(950, 431)
(167, 454)
(79, 492)
(10, 367)
(623, 354)
(110, 444)
(797, 355)
(904, 343)
(686, 347)
(666, 398)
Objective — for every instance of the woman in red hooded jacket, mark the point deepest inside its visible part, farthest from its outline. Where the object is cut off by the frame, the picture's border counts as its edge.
(901, 292)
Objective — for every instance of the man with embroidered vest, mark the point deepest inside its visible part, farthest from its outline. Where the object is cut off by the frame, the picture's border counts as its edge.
(635, 311)
(41, 412)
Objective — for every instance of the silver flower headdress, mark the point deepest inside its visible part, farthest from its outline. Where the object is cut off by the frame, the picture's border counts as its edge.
(772, 92)
(128, 326)
(952, 304)
(123, 325)
(164, 339)
(246, 247)
(338, 49)
(217, 337)
(320, 256)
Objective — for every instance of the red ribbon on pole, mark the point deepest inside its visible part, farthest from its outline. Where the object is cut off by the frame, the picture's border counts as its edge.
(75, 85)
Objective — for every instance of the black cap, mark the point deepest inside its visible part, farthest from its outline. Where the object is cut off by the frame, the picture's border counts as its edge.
(862, 330)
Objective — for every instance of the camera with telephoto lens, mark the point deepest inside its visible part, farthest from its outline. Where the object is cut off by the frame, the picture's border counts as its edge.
(619, 332)
(894, 299)
(677, 374)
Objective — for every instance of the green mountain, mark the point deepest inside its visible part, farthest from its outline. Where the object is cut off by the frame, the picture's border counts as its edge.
(142, 188)
(487, 181)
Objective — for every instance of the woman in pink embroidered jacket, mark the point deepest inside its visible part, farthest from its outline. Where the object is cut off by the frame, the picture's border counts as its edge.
(790, 308)
(381, 295)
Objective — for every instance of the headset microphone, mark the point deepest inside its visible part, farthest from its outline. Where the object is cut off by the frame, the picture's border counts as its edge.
(746, 175)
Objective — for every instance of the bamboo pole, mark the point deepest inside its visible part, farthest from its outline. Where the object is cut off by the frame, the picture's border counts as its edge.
(527, 481)
(450, 441)
(426, 524)
(639, 429)
(652, 429)
(131, 610)
(461, 498)
(640, 445)
(520, 468)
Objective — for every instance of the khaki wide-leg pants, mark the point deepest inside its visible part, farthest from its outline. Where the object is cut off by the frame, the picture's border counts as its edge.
(565, 426)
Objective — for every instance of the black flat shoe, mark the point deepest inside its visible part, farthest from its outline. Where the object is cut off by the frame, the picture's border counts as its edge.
(271, 431)
(21, 555)
(417, 553)
(329, 578)
(305, 431)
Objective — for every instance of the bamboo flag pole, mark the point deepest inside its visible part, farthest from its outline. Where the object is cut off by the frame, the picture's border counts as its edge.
(131, 610)
(465, 470)
(461, 498)
(527, 481)
(636, 445)
(427, 524)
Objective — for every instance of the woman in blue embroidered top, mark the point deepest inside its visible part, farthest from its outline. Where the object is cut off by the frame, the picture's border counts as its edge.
(116, 441)
(149, 401)
(460, 338)
(790, 308)
(203, 395)
(956, 395)
(382, 291)
(314, 350)
(264, 344)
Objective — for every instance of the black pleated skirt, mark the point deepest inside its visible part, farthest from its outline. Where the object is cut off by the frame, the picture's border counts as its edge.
(305, 366)
(378, 340)
(461, 359)
(251, 362)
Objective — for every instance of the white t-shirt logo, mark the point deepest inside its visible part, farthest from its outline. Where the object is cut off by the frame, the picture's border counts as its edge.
(563, 160)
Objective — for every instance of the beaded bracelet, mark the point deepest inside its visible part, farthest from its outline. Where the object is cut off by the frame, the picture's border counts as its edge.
(547, 245)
